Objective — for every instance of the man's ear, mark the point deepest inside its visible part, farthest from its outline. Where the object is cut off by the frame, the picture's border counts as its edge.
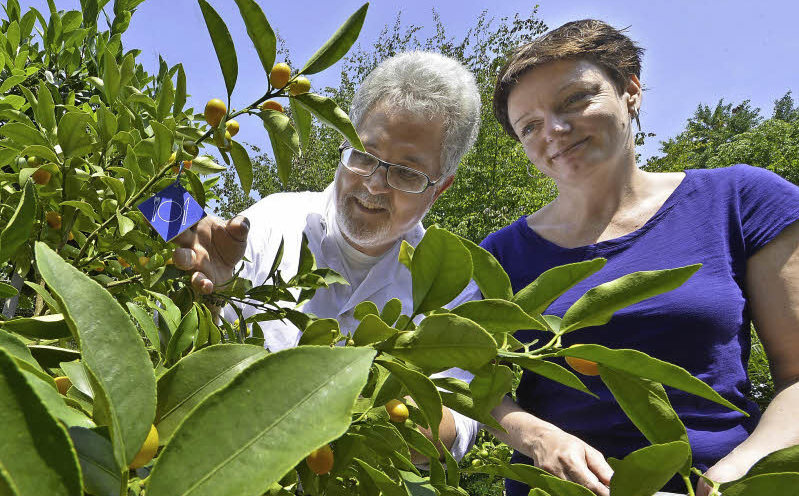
(446, 183)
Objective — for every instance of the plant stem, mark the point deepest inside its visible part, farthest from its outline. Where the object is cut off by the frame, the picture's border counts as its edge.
(688, 485)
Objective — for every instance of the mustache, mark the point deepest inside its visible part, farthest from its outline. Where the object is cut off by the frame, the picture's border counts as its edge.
(379, 201)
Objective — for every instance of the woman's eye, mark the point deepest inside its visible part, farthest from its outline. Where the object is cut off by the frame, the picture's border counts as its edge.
(576, 98)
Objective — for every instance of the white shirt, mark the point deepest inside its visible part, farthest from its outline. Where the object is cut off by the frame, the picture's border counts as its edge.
(378, 279)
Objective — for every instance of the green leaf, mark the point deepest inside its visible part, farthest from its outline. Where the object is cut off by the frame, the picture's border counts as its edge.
(331, 115)
(118, 360)
(645, 471)
(84, 207)
(77, 375)
(223, 45)
(383, 482)
(180, 92)
(52, 356)
(147, 324)
(320, 332)
(318, 387)
(37, 456)
(166, 97)
(783, 484)
(784, 460)
(101, 474)
(23, 134)
(535, 477)
(163, 142)
(7, 290)
(549, 370)
(642, 365)
(391, 311)
(539, 294)
(488, 273)
(406, 254)
(243, 165)
(363, 309)
(183, 336)
(54, 403)
(598, 304)
(646, 404)
(43, 327)
(489, 386)
(283, 156)
(45, 111)
(302, 122)
(423, 392)
(372, 329)
(44, 152)
(260, 32)
(443, 341)
(441, 268)
(197, 376)
(338, 44)
(15, 347)
(205, 165)
(18, 229)
(112, 77)
(497, 316)
(73, 134)
(279, 124)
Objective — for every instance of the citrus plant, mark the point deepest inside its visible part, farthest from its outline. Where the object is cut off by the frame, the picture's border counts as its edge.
(120, 381)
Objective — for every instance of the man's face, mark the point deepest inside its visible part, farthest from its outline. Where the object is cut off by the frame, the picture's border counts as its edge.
(372, 215)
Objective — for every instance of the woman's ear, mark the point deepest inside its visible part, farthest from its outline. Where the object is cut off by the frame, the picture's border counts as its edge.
(634, 93)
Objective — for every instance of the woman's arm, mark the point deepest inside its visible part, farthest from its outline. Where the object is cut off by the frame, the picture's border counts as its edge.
(772, 287)
(551, 448)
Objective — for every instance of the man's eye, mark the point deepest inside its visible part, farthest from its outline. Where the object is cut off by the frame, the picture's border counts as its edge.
(528, 128)
(407, 174)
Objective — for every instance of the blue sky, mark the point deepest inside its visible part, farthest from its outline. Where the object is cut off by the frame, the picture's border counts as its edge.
(696, 51)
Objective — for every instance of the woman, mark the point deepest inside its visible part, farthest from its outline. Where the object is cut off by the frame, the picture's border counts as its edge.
(570, 97)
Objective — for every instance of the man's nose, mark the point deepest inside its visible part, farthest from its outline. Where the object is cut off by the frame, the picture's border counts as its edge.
(377, 182)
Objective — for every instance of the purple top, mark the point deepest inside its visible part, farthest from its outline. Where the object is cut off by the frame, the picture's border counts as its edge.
(717, 217)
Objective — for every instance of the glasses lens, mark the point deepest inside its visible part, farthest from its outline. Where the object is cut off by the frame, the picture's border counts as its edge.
(406, 179)
(358, 162)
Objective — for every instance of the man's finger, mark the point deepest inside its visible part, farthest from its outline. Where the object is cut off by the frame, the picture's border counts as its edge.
(582, 475)
(201, 283)
(238, 227)
(183, 258)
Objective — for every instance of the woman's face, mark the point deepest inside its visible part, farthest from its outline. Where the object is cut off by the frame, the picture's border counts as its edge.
(572, 121)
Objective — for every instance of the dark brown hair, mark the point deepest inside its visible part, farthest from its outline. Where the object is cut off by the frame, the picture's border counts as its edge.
(589, 39)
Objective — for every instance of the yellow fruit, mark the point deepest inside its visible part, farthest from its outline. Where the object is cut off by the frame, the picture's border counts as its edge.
(228, 136)
(70, 236)
(41, 176)
(585, 367)
(53, 219)
(397, 411)
(299, 86)
(99, 267)
(280, 75)
(172, 158)
(123, 262)
(62, 383)
(271, 105)
(232, 127)
(321, 460)
(147, 451)
(215, 109)
(143, 261)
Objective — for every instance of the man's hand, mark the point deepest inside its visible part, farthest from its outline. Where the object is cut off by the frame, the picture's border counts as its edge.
(211, 249)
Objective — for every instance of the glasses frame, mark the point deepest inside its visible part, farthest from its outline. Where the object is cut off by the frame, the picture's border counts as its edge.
(388, 165)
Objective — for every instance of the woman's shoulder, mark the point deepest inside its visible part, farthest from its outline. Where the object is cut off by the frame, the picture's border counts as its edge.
(509, 234)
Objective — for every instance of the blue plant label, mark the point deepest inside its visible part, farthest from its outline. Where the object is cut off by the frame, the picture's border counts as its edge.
(171, 211)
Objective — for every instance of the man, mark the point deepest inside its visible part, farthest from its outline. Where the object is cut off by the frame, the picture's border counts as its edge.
(417, 113)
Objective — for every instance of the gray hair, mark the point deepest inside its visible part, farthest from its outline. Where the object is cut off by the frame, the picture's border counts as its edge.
(433, 85)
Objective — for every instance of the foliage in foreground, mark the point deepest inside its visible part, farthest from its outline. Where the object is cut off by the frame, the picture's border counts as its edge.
(119, 343)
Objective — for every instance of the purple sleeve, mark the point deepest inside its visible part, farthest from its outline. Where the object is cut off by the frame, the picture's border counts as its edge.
(768, 204)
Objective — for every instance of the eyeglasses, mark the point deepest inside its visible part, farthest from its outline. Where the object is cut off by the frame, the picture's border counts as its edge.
(398, 177)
